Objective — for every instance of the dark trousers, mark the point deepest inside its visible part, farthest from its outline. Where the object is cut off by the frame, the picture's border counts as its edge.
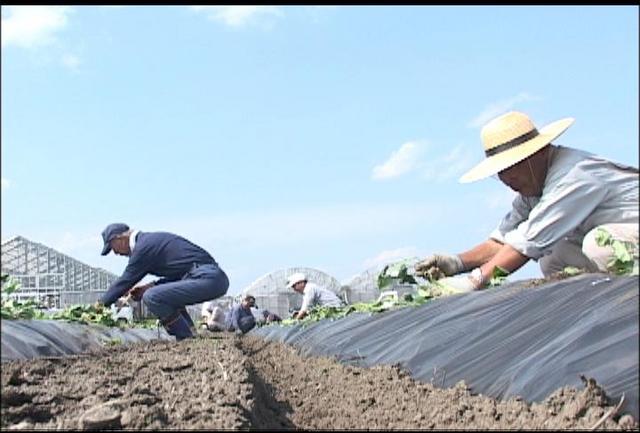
(201, 283)
(246, 324)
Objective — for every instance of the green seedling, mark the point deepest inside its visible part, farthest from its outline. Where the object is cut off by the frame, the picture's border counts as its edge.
(13, 309)
(498, 276)
(397, 272)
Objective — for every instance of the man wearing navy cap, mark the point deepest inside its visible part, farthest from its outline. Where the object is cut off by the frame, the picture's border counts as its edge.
(189, 275)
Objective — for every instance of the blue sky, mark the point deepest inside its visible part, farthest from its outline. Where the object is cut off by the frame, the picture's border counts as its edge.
(274, 137)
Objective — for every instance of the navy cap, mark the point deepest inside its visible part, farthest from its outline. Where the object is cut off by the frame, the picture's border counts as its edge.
(111, 232)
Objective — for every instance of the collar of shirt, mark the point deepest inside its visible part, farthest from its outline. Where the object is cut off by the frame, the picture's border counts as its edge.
(132, 239)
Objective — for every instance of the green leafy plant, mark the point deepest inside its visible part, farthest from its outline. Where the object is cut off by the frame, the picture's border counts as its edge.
(570, 271)
(625, 254)
(86, 314)
(333, 313)
(397, 272)
(498, 276)
(13, 309)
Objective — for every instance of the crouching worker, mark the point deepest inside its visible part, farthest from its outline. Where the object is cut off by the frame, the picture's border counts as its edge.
(189, 275)
(313, 295)
(213, 317)
(240, 319)
(565, 196)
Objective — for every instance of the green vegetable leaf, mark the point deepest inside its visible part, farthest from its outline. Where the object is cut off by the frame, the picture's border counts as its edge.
(571, 270)
(396, 272)
(498, 276)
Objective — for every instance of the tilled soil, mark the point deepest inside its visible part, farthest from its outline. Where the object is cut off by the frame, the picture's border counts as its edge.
(221, 381)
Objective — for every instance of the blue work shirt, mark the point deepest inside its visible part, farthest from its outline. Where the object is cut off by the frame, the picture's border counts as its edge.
(240, 318)
(159, 253)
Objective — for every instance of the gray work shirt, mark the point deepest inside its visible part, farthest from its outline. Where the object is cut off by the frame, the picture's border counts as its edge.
(315, 295)
(581, 191)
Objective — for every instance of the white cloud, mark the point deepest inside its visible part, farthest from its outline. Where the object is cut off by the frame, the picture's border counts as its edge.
(500, 107)
(401, 161)
(390, 256)
(71, 61)
(6, 183)
(448, 166)
(237, 16)
(30, 26)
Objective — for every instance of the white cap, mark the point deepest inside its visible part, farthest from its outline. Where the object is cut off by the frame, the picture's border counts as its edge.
(295, 278)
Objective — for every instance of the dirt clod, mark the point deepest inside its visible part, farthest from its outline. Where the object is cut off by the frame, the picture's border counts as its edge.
(100, 417)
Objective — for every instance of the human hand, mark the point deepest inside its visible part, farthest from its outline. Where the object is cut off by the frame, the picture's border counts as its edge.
(137, 292)
(446, 264)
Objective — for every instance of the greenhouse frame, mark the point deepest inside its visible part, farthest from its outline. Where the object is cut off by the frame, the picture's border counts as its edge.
(51, 277)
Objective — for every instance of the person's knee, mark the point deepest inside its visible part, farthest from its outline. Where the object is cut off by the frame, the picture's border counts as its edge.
(151, 299)
(602, 255)
(247, 324)
(222, 283)
(597, 254)
(548, 265)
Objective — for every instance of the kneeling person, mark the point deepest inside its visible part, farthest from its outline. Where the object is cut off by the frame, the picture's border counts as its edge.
(240, 319)
(313, 295)
(213, 317)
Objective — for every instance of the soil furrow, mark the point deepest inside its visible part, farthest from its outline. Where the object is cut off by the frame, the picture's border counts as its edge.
(220, 381)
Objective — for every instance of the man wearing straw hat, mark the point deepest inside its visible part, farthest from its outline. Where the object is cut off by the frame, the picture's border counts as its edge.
(564, 196)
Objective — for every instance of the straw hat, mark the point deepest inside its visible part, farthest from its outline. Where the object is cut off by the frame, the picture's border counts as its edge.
(510, 138)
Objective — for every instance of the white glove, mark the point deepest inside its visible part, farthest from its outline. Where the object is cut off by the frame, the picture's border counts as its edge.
(460, 284)
(450, 265)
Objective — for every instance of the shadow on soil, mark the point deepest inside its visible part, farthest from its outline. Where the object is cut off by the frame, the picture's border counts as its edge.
(268, 412)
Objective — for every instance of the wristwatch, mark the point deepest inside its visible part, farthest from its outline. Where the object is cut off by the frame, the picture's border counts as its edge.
(477, 278)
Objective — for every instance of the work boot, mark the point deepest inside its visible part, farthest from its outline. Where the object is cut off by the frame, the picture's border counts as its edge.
(178, 327)
(187, 317)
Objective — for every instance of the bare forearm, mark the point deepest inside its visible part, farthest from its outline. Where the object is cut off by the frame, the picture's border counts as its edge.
(480, 254)
(508, 258)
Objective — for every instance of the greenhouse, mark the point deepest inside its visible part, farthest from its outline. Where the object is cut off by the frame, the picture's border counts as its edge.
(48, 276)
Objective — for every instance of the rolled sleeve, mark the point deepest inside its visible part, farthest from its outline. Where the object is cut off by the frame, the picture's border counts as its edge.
(556, 215)
(520, 209)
